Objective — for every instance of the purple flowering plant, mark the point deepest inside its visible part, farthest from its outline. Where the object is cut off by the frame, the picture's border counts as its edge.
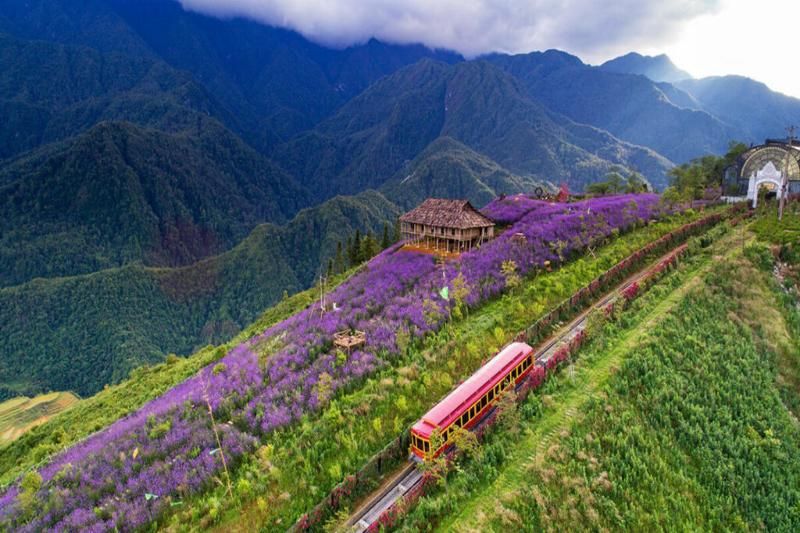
(126, 475)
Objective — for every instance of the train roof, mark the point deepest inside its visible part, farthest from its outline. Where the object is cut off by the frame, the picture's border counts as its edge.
(451, 407)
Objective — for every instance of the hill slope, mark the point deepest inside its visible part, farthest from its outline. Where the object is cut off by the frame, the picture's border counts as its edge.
(758, 112)
(449, 169)
(631, 107)
(49, 92)
(374, 136)
(81, 332)
(119, 193)
(657, 68)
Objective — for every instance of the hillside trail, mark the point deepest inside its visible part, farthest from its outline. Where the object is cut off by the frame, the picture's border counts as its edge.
(564, 406)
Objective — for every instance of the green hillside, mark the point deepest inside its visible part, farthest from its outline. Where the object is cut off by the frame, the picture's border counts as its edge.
(120, 193)
(449, 169)
(145, 383)
(632, 108)
(79, 333)
(375, 136)
(50, 92)
(675, 418)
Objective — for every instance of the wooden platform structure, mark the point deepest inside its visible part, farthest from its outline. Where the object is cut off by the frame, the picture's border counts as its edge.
(445, 226)
(349, 339)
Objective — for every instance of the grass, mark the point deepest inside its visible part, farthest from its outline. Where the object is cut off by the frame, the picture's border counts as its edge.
(96, 412)
(563, 401)
(299, 465)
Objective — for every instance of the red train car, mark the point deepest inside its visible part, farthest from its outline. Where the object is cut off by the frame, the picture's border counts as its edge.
(467, 404)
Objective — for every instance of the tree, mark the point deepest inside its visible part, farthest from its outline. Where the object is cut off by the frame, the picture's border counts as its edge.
(459, 290)
(354, 253)
(368, 248)
(690, 180)
(599, 188)
(635, 183)
(615, 182)
(339, 265)
(385, 240)
(431, 311)
(466, 442)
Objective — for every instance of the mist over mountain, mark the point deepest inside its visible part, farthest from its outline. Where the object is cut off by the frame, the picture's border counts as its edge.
(137, 136)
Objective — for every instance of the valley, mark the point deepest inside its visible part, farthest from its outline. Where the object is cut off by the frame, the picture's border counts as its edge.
(268, 266)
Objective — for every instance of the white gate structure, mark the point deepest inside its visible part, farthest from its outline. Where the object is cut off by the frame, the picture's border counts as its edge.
(768, 174)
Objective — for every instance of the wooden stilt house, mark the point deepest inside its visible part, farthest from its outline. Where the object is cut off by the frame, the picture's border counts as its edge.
(451, 226)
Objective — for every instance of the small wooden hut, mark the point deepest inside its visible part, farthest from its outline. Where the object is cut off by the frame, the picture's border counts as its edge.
(451, 226)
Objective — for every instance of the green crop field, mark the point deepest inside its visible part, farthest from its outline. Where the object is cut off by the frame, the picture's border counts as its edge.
(19, 415)
(675, 418)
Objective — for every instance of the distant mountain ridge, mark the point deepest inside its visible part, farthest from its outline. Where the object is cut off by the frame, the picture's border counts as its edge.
(752, 110)
(137, 138)
(120, 193)
(631, 107)
(657, 68)
(375, 135)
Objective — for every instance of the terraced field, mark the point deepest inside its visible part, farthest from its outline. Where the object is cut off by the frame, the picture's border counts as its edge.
(19, 415)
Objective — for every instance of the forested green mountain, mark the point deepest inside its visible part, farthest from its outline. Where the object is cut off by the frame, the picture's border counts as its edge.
(376, 134)
(135, 134)
(758, 112)
(79, 333)
(273, 82)
(49, 92)
(752, 109)
(120, 193)
(629, 106)
(449, 169)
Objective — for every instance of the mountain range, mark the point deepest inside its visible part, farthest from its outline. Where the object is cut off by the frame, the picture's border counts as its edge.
(144, 148)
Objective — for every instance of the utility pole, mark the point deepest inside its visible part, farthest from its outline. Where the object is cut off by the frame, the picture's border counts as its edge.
(785, 178)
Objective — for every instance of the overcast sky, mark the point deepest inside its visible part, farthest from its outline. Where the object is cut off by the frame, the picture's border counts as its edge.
(705, 37)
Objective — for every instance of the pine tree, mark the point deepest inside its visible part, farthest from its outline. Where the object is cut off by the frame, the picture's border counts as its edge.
(369, 247)
(330, 268)
(385, 242)
(339, 265)
(355, 251)
(349, 254)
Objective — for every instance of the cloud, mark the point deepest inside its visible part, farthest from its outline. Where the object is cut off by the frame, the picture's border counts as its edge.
(593, 29)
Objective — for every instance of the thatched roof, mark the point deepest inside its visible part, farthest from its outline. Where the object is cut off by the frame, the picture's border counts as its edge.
(444, 213)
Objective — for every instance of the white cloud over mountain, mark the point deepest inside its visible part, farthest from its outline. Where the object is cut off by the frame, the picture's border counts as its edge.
(592, 29)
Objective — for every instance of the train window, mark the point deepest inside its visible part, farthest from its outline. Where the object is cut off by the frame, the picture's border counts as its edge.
(426, 446)
(491, 395)
(484, 401)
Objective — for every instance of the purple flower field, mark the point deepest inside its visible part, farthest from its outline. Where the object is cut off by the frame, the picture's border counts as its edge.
(126, 475)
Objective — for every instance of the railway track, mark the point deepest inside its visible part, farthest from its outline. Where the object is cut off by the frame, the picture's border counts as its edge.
(385, 497)
(409, 476)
